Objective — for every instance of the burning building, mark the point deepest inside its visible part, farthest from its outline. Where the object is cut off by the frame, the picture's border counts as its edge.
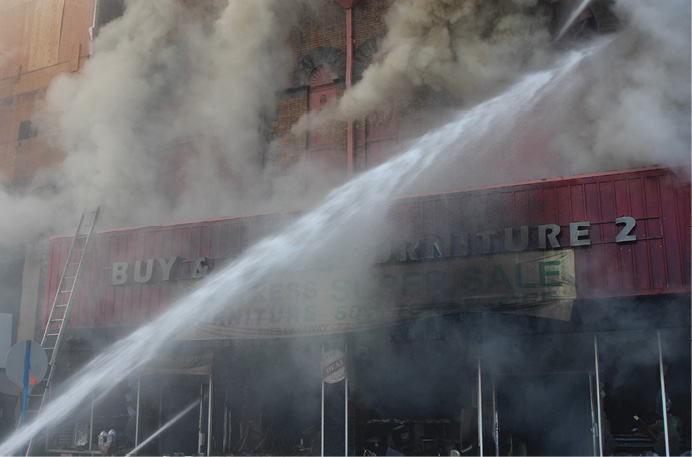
(506, 269)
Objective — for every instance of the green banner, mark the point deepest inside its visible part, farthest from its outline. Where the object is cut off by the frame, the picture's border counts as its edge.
(539, 283)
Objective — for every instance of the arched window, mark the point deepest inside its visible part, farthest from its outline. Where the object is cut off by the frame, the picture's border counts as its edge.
(322, 141)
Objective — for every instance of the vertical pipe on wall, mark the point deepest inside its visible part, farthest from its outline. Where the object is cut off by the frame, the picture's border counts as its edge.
(91, 423)
(211, 394)
(226, 422)
(160, 422)
(139, 392)
(201, 414)
(480, 409)
(92, 29)
(664, 397)
(322, 413)
(230, 426)
(496, 422)
(349, 74)
(346, 403)
(593, 416)
(598, 396)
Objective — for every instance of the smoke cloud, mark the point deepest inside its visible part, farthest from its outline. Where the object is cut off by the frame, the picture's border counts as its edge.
(628, 106)
(165, 121)
(166, 90)
(463, 48)
(635, 106)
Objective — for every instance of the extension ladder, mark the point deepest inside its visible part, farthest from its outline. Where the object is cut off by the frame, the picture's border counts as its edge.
(60, 311)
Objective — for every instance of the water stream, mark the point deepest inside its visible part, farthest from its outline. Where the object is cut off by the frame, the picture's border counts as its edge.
(163, 428)
(353, 207)
(572, 17)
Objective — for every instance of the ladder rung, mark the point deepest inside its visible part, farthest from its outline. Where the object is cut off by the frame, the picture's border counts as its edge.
(51, 334)
(60, 306)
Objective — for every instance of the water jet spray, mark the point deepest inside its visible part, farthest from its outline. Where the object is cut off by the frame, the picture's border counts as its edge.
(360, 203)
(572, 17)
(163, 428)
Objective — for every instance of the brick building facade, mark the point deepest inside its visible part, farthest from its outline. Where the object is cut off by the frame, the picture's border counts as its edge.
(63, 46)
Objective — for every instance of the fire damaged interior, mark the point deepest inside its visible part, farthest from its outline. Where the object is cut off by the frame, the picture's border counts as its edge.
(413, 389)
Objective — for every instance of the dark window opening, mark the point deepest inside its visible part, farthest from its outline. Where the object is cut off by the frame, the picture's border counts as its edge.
(27, 130)
(106, 12)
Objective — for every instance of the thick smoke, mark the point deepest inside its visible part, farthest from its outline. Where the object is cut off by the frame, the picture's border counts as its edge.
(635, 106)
(165, 121)
(463, 48)
(173, 100)
(628, 106)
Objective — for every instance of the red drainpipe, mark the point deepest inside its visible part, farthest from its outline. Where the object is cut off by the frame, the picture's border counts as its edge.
(350, 140)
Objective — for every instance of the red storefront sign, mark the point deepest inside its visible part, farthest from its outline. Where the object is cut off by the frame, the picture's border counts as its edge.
(130, 275)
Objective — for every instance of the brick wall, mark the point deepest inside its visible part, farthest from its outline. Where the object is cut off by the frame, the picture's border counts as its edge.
(24, 80)
(322, 29)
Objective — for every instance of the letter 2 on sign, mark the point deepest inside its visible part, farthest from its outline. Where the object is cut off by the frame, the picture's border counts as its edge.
(626, 234)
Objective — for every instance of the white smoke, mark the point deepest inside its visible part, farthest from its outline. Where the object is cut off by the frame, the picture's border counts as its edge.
(165, 121)
(461, 47)
(627, 107)
(635, 105)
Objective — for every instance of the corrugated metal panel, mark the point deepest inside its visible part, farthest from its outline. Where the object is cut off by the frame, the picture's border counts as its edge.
(657, 262)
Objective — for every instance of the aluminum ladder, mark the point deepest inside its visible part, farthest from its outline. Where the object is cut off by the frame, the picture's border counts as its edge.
(60, 311)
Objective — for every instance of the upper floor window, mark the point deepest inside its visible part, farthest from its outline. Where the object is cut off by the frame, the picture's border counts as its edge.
(381, 134)
(27, 130)
(322, 141)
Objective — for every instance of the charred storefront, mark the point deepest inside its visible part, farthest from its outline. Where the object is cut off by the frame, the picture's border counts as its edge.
(541, 318)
